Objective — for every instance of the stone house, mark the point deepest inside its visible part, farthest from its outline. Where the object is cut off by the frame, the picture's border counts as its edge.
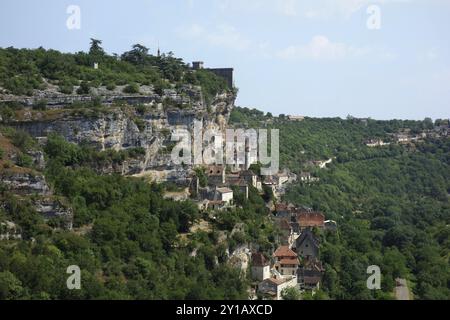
(260, 267)
(286, 261)
(224, 194)
(272, 288)
(307, 245)
(310, 274)
(282, 210)
(311, 219)
(251, 178)
(216, 175)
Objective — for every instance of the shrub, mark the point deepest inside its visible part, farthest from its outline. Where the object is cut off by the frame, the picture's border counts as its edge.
(22, 140)
(84, 88)
(111, 86)
(131, 88)
(24, 160)
(40, 105)
(140, 124)
(66, 89)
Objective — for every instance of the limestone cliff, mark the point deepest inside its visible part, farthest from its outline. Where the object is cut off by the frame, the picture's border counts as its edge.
(129, 122)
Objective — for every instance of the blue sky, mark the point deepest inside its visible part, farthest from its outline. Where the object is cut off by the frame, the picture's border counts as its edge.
(311, 57)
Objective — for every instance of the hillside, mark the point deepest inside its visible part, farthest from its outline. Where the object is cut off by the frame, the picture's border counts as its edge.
(87, 179)
(391, 202)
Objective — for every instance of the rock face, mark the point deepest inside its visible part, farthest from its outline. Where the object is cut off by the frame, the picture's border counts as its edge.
(115, 126)
(25, 182)
(128, 127)
(50, 207)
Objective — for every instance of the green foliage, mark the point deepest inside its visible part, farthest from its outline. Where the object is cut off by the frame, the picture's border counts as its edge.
(291, 293)
(131, 88)
(389, 209)
(84, 88)
(210, 83)
(202, 177)
(19, 138)
(23, 70)
(131, 252)
(24, 160)
(40, 105)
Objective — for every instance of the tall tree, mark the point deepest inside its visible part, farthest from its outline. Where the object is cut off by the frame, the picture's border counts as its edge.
(96, 49)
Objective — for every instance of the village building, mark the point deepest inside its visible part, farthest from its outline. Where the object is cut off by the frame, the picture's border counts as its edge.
(310, 220)
(260, 267)
(270, 182)
(282, 210)
(375, 143)
(272, 288)
(310, 274)
(251, 178)
(216, 175)
(282, 178)
(286, 261)
(307, 245)
(305, 176)
(311, 283)
(224, 194)
(296, 118)
(216, 205)
(241, 185)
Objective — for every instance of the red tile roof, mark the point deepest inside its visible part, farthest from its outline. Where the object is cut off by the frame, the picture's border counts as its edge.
(284, 251)
(311, 219)
(258, 260)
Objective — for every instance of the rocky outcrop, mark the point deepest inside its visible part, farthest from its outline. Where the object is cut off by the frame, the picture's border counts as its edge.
(9, 231)
(51, 207)
(24, 182)
(126, 127)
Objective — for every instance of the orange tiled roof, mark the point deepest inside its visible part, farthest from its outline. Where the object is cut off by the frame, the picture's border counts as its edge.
(284, 251)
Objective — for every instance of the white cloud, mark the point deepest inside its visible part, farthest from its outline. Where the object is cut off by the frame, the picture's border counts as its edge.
(340, 8)
(223, 35)
(306, 8)
(320, 48)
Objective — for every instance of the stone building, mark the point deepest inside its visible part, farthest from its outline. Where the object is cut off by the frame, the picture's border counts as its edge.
(307, 245)
(260, 267)
(286, 261)
(225, 73)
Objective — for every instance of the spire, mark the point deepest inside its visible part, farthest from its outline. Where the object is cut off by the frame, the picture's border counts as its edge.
(159, 51)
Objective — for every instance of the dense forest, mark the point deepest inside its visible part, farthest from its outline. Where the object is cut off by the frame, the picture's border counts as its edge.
(391, 203)
(129, 242)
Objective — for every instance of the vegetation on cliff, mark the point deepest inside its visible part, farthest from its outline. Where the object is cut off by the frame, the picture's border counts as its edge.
(24, 70)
